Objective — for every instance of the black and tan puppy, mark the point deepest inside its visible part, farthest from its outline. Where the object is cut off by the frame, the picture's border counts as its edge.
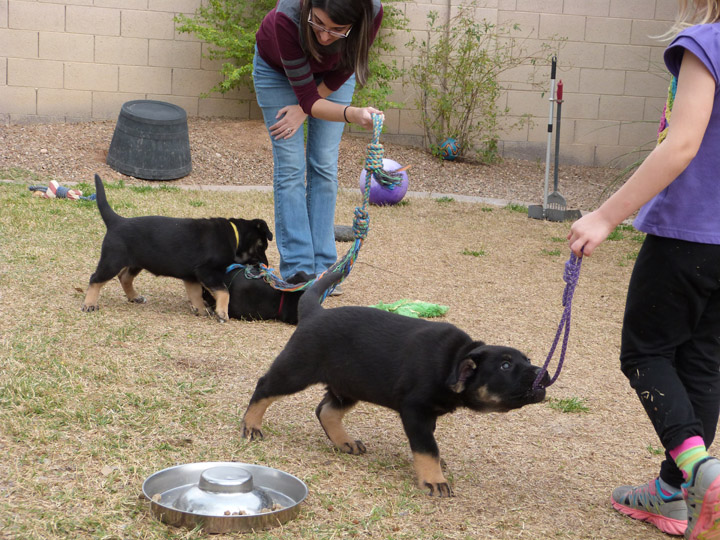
(254, 299)
(196, 251)
(419, 368)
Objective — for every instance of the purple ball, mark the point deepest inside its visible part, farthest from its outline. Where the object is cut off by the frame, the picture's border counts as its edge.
(383, 195)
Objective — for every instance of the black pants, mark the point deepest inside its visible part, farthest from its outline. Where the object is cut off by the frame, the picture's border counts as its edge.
(670, 349)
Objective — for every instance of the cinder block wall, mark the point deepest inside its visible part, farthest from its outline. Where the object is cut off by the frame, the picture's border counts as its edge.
(614, 79)
(77, 60)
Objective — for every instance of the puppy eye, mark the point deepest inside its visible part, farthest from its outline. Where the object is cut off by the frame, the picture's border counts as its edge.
(505, 365)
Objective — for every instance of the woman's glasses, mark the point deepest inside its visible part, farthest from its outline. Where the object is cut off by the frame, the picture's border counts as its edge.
(321, 28)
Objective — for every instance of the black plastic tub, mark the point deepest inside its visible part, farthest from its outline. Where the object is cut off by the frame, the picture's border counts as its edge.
(151, 141)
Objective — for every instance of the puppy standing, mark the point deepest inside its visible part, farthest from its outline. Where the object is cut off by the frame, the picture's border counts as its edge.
(196, 251)
(419, 368)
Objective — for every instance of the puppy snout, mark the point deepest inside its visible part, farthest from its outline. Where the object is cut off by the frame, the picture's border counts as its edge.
(251, 259)
(536, 392)
(545, 379)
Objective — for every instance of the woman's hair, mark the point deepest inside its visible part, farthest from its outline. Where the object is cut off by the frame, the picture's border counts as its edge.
(355, 47)
(692, 12)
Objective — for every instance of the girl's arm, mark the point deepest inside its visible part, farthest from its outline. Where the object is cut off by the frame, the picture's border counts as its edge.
(690, 116)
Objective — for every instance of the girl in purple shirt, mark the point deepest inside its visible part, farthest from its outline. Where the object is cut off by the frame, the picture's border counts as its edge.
(670, 348)
(308, 58)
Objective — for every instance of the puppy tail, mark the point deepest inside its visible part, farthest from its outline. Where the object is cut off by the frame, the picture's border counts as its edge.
(310, 300)
(108, 214)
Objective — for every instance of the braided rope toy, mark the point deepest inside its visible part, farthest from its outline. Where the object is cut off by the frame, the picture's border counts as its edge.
(570, 276)
(360, 227)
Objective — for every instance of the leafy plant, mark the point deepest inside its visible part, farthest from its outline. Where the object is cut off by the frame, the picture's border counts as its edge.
(569, 405)
(474, 253)
(551, 252)
(514, 207)
(377, 90)
(456, 73)
(654, 450)
(229, 27)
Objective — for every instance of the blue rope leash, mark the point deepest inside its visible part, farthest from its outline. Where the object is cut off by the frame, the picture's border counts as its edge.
(570, 276)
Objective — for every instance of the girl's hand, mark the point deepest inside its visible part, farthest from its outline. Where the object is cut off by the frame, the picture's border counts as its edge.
(290, 120)
(588, 232)
(362, 116)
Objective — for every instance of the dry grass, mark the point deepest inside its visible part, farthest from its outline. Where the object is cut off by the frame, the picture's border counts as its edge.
(92, 404)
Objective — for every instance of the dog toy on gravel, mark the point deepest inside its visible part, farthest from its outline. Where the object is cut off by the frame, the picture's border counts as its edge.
(56, 191)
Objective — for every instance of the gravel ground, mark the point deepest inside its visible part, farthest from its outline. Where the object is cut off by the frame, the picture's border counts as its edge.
(238, 153)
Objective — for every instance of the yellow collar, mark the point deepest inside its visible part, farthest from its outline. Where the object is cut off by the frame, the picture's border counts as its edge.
(237, 236)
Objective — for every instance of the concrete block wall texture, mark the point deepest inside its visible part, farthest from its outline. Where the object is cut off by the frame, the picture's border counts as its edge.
(78, 60)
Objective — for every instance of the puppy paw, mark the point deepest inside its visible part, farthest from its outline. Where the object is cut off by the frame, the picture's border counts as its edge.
(87, 308)
(355, 448)
(221, 316)
(252, 433)
(137, 300)
(437, 489)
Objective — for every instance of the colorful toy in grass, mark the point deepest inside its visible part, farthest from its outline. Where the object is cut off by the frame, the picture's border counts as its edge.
(387, 187)
(449, 149)
(56, 191)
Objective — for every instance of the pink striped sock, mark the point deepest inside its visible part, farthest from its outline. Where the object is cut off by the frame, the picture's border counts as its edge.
(688, 454)
(687, 444)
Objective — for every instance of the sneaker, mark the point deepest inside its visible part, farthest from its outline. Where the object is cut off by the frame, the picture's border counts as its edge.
(648, 503)
(703, 501)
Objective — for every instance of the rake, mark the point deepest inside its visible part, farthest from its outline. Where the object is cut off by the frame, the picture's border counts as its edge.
(555, 204)
(537, 211)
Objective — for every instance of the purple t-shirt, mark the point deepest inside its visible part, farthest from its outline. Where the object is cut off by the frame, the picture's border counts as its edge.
(278, 43)
(689, 208)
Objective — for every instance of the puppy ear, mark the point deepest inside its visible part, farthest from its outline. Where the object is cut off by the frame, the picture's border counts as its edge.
(262, 226)
(463, 371)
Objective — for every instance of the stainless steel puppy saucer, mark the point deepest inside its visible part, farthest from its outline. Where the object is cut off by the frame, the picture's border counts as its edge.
(224, 496)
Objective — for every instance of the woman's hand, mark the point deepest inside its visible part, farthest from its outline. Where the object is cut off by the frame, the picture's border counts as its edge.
(362, 116)
(290, 118)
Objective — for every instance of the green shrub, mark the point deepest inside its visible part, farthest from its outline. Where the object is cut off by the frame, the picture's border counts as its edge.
(229, 27)
(456, 73)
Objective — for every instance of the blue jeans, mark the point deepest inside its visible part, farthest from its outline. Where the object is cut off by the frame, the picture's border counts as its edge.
(304, 176)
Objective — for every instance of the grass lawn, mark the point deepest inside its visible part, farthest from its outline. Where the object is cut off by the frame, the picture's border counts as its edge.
(91, 404)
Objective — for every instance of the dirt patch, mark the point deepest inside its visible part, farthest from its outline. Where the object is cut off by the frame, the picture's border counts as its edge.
(238, 153)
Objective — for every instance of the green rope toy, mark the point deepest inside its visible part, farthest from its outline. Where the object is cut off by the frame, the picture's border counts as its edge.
(414, 308)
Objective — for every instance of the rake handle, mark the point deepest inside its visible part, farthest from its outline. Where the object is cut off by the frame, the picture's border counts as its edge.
(550, 128)
(558, 100)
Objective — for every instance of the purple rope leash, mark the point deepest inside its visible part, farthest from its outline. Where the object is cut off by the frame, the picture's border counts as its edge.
(570, 276)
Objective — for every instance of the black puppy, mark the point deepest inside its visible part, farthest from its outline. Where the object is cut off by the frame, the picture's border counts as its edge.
(419, 368)
(195, 250)
(253, 298)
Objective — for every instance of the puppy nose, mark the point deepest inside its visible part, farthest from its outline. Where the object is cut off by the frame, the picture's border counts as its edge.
(545, 380)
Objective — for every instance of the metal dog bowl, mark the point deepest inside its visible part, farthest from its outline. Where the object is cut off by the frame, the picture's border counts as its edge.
(224, 496)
